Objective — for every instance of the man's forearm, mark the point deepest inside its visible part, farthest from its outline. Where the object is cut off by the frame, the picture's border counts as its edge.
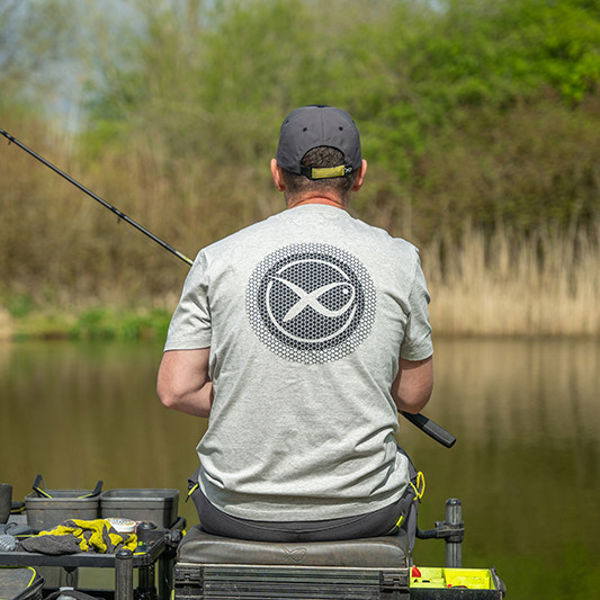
(413, 385)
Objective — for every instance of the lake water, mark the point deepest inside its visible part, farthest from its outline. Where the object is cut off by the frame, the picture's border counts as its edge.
(526, 465)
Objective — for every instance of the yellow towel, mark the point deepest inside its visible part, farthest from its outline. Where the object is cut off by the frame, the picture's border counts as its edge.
(96, 535)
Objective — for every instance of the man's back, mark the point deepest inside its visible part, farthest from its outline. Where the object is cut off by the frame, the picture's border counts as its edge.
(306, 315)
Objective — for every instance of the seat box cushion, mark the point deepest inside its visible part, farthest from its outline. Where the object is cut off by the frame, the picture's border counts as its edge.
(199, 547)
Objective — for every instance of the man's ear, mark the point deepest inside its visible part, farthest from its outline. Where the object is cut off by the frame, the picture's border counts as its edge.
(360, 178)
(277, 175)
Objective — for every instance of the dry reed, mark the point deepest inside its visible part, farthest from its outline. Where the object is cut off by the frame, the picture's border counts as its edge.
(512, 284)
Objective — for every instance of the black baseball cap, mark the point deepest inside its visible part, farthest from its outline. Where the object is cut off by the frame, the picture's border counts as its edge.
(318, 125)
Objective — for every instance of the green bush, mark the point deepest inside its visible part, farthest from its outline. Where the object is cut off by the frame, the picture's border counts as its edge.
(214, 84)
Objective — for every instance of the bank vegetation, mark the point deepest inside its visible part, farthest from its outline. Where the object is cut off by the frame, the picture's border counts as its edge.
(479, 120)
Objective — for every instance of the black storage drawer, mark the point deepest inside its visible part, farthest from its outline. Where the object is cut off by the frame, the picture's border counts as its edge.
(208, 582)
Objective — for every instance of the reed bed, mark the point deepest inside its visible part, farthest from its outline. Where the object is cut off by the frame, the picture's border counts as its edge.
(512, 284)
(502, 285)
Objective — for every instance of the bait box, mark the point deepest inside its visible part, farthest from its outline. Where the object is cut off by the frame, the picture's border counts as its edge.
(20, 583)
(157, 505)
(47, 513)
(448, 583)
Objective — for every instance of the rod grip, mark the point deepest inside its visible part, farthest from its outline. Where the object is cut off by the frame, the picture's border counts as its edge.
(431, 428)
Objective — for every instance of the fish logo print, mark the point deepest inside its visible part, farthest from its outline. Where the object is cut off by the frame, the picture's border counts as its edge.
(311, 303)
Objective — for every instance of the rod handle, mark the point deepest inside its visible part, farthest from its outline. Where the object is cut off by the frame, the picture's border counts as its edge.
(431, 428)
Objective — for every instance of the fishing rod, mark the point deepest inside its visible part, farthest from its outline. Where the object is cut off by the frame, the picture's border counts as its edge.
(432, 429)
(97, 198)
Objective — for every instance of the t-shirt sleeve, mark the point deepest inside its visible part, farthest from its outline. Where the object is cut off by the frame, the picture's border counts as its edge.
(190, 326)
(417, 344)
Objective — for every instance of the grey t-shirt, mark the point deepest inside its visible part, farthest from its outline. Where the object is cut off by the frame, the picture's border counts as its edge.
(306, 315)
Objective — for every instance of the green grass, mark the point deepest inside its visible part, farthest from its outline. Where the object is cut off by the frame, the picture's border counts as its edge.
(97, 323)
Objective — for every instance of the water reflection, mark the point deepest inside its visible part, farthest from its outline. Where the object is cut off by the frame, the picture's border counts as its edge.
(78, 413)
(526, 464)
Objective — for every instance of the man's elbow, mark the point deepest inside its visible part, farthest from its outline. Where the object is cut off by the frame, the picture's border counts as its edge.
(167, 396)
(414, 402)
(198, 404)
(183, 384)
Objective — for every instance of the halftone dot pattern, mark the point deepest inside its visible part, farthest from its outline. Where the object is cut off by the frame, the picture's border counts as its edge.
(311, 303)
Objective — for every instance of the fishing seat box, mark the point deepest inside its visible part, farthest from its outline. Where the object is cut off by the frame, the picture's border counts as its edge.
(210, 567)
(20, 583)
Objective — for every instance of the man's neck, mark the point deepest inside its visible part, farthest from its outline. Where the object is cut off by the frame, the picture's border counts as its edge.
(327, 199)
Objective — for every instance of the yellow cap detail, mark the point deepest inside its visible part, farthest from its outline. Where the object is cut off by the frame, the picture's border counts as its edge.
(327, 172)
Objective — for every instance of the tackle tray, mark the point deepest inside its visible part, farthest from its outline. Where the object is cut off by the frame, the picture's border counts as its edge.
(157, 505)
(46, 513)
(20, 583)
(445, 583)
(48, 508)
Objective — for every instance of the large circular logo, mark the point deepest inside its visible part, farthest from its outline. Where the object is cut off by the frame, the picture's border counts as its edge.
(311, 303)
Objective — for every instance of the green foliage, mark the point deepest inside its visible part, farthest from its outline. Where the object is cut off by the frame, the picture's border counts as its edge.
(96, 323)
(102, 324)
(147, 326)
(38, 324)
(405, 69)
(19, 305)
(213, 81)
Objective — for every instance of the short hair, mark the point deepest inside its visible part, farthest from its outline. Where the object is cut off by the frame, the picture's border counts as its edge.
(320, 157)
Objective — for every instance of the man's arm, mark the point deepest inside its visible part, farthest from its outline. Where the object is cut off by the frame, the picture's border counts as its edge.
(183, 383)
(412, 387)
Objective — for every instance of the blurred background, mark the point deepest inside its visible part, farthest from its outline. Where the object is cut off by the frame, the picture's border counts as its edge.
(481, 125)
(479, 120)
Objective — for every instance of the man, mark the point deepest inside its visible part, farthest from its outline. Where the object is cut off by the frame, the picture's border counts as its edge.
(299, 338)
